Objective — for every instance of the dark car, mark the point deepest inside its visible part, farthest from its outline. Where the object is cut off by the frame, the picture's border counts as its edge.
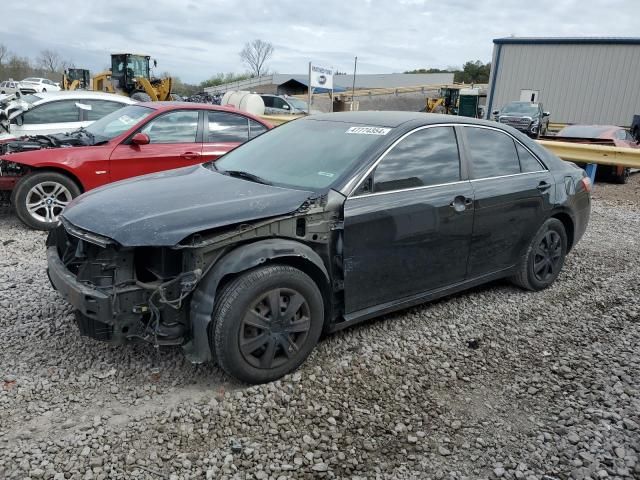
(249, 259)
(529, 118)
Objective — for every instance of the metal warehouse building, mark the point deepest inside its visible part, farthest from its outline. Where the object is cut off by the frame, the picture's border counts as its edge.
(578, 80)
(293, 84)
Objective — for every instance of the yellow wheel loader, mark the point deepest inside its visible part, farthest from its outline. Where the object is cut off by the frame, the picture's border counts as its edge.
(76, 79)
(130, 75)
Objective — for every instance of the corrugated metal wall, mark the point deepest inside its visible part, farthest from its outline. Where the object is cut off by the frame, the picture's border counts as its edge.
(591, 84)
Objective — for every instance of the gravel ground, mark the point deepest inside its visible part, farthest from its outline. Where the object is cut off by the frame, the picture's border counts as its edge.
(493, 383)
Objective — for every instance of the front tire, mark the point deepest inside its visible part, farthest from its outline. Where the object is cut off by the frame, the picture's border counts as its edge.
(40, 197)
(266, 322)
(545, 256)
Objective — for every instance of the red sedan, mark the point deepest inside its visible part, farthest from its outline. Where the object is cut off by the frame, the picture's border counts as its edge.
(45, 173)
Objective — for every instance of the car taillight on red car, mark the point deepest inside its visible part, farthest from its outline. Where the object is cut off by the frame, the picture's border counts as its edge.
(586, 183)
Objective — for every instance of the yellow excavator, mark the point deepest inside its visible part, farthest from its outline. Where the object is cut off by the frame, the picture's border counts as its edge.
(130, 75)
(76, 79)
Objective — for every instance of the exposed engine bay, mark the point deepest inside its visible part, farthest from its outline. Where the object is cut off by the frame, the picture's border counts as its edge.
(79, 138)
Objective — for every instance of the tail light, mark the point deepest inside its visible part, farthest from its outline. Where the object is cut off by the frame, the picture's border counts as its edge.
(586, 183)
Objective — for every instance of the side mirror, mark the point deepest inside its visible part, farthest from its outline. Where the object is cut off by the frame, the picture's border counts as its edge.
(285, 106)
(140, 139)
(495, 112)
(546, 114)
(19, 120)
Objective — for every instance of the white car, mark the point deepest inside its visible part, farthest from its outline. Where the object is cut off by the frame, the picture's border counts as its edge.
(40, 85)
(10, 86)
(55, 112)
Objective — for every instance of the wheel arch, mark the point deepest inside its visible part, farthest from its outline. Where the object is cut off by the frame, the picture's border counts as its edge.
(569, 226)
(237, 261)
(54, 169)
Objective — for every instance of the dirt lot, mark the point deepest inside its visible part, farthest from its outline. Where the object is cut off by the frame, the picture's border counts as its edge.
(493, 383)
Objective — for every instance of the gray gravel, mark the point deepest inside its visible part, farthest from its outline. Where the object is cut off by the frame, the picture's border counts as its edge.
(493, 383)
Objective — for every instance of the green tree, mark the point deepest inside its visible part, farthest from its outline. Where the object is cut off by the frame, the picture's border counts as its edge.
(222, 78)
(473, 72)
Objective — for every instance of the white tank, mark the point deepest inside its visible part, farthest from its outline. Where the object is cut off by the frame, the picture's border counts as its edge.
(245, 101)
(225, 97)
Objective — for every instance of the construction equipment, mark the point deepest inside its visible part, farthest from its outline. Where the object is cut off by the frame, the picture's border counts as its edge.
(130, 75)
(446, 102)
(76, 79)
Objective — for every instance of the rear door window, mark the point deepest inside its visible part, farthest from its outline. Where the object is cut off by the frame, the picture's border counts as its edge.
(528, 163)
(227, 127)
(100, 108)
(53, 112)
(173, 127)
(256, 128)
(493, 153)
(425, 157)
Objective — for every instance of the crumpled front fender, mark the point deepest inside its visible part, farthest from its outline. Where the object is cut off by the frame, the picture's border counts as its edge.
(197, 350)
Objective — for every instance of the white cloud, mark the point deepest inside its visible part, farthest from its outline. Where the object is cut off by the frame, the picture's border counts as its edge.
(198, 39)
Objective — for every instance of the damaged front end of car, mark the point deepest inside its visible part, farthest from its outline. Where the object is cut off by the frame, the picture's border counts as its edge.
(11, 107)
(120, 294)
(165, 295)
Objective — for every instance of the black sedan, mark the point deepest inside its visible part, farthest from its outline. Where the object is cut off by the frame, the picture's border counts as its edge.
(313, 227)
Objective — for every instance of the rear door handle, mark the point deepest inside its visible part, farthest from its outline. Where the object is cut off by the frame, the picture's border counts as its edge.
(544, 186)
(190, 155)
(460, 203)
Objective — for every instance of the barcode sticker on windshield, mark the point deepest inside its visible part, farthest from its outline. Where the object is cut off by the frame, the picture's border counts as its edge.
(369, 130)
(126, 119)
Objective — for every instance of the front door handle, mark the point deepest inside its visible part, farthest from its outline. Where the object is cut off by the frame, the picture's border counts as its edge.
(543, 186)
(190, 155)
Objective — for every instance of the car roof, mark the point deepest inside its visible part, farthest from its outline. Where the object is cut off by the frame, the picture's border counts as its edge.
(171, 105)
(394, 119)
(82, 95)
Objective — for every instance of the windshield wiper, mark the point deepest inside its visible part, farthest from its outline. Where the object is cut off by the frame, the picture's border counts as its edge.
(245, 175)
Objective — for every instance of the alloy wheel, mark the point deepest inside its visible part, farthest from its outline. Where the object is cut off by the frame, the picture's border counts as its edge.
(274, 328)
(547, 257)
(46, 200)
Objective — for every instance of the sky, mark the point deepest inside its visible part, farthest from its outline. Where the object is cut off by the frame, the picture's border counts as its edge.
(194, 40)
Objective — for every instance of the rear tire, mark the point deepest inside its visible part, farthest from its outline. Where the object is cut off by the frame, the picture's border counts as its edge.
(622, 178)
(265, 323)
(140, 97)
(544, 259)
(40, 197)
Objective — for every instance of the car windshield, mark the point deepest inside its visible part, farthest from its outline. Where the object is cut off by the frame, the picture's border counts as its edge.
(30, 98)
(304, 154)
(583, 131)
(112, 125)
(520, 108)
(299, 104)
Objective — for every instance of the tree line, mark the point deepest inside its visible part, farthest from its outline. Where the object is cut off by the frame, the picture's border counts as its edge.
(471, 72)
(48, 64)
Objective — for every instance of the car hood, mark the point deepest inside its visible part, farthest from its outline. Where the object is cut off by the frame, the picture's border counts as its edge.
(162, 209)
(34, 143)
